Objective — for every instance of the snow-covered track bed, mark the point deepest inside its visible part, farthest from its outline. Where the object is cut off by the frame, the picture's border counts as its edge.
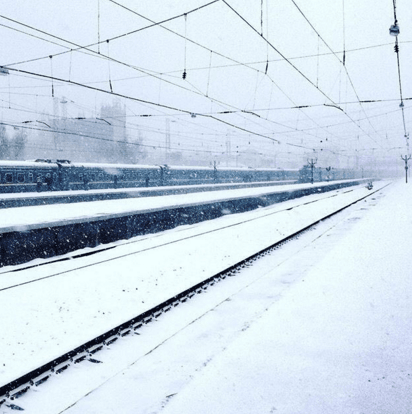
(33, 232)
(287, 221)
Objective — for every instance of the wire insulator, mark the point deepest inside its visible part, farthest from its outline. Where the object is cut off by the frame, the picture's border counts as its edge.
(184, 75)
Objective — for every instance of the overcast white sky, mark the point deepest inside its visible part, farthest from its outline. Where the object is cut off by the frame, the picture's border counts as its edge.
(225, 71)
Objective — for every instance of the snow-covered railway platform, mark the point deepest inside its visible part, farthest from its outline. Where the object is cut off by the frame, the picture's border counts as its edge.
(10, 200)
(45, 231)
(324, 328)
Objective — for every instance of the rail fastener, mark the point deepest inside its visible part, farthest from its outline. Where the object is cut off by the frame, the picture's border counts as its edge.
(137, 325)
(18, 392)
(95, 348)
(125, 331)
(158, 313)
(59, 368)
(81, 356)
(110, 340)
(40, 379)
(148, 319)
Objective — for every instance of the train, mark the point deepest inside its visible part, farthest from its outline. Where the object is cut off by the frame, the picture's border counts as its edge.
(63, 175)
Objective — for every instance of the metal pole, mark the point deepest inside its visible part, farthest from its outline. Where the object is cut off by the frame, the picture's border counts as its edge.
(406, 159)
(311, 164)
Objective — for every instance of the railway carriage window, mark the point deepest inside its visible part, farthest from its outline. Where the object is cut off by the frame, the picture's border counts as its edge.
(55, 177)
(30, 177)
(9, 177)
(81, 176)
(20, 177)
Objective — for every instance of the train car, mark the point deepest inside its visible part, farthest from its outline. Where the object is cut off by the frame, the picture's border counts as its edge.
(63, 175)
(16, 176)
(326, 174)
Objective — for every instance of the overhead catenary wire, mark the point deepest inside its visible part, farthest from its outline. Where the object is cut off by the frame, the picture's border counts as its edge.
(182, 86)
(51, 73)
(145, 115)
(399, 76)
(131, 66)
(343, 61)
(98, 26)
(334, 104)
(114, 37)
(219, 54)
(208, 91)
(141, 100)
(208, 76)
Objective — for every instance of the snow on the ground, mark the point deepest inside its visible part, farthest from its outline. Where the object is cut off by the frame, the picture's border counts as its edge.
(80, 299)
(180, 363)
(336, 341)
(339, 342)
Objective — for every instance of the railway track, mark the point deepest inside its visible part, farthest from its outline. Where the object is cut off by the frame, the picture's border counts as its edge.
(10, 392)
(27, 234)
(106, 248)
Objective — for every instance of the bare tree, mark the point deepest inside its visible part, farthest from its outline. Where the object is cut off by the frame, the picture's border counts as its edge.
(19, 144)
(4, 144)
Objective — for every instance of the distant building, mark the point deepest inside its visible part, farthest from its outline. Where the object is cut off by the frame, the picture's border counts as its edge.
(101, 139)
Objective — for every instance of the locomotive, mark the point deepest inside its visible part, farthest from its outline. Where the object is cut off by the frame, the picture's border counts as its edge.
(307, 174)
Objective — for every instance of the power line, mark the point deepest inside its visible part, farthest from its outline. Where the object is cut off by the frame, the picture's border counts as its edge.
(143, 101)
(198, 44)
(295, 68)
(396, 48)
(149, 74)
(112, 38)
(219, 54)
(130, 66)
(343, 62)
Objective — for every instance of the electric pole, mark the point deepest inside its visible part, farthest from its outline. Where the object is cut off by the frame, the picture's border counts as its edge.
(406, 159)
(328, 173)
(312, 164)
